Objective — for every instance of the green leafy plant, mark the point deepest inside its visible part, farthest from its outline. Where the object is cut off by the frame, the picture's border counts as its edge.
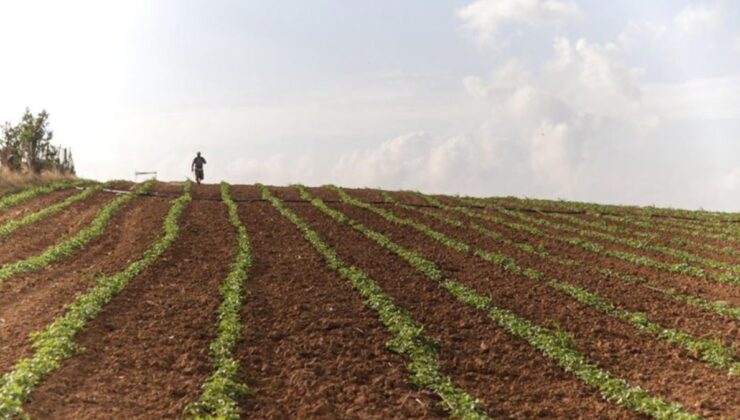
(556, 345)
(409, 339)
(31, 192)
(56, 342)
(711, 351)
(218, 397)
(76, 241)
(720, 308)
(679, 268)
(12, 225)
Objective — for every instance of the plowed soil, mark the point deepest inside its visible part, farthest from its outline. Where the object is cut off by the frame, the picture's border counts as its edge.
(35, 204)
(311, 348)
(473, 348)
(147, 352)
(613, 344)
(31, 301)
(33, 239)
(705, 288)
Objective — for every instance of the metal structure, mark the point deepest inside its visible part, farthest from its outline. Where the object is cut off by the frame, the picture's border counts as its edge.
(138, 173)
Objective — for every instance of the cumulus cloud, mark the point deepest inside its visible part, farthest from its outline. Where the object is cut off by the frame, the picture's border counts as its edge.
(545, 128)
(416, 160)
(484, 18)
(696, 18)
(593, 77)
(275, 169)
(637, 32)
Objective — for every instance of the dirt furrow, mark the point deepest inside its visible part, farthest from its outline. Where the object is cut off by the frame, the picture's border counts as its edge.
(705, 288)
(33, 300)
(658, 255)
(146, 354)
(659, 307)
(671, 236)
(614, 345)
(35, 238)
(311, 348)
(35, 204)
(512, 379)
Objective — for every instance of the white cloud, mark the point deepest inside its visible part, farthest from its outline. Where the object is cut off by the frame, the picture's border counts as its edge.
(543, 129)
(731, 181)
(593, 78)
(696, 18)
(276, 169)
(737, 43)
(415, 160)
(698, 99)
(485, 18)
(637, 33)
(395, 162)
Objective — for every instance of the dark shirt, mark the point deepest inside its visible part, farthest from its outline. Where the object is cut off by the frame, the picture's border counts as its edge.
(198, 162)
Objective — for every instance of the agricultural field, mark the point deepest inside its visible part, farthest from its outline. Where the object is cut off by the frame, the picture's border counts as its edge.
(174, 300)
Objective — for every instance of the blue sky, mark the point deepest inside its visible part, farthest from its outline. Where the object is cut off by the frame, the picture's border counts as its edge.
(621, 102)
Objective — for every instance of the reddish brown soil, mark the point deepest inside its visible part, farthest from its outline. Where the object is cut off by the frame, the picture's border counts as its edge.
(619, 348)
(146, 355)
(35, 204)
(472, 348)
(311, 348)
(655, 255)
(122, 186)
(31, 301)
(33, 239)
(174, 189)
(666, 238)
(659, 307)
(204, 192)
(687, 284)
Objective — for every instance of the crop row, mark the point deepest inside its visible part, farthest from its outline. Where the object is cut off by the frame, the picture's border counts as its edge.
(56, 342)
(684, 227)
(695, 228)
(75, 242)
(14, 224)
(723, 231)
(556, 345)
(680, 268)
(648, 211)
(218, 397)
(31, 192)
(700, 234)
(409, 339)
(631, 242)
(714, 352)
(720, 308)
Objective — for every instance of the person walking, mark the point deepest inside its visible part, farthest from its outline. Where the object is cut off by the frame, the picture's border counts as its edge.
(197, 167)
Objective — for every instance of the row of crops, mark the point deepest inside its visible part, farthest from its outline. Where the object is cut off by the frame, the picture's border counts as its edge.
(56, 343)
(686, 262)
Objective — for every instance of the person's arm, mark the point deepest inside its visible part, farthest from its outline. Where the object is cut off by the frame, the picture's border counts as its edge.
(192, 166)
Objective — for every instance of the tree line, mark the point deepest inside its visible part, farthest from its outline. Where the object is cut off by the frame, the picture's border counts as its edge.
(26, 147)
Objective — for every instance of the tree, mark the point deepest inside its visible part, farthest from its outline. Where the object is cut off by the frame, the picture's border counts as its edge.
(10, 149)
(27, 146)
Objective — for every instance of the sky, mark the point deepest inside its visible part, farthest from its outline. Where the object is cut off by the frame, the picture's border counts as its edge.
(629, 102)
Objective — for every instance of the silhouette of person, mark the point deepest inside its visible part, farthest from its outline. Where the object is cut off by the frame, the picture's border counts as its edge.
(197, 167)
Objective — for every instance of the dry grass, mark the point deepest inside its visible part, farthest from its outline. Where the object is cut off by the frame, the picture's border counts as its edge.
(12, 181)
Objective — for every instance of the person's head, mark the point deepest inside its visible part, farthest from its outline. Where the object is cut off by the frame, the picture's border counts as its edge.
(198, 154)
